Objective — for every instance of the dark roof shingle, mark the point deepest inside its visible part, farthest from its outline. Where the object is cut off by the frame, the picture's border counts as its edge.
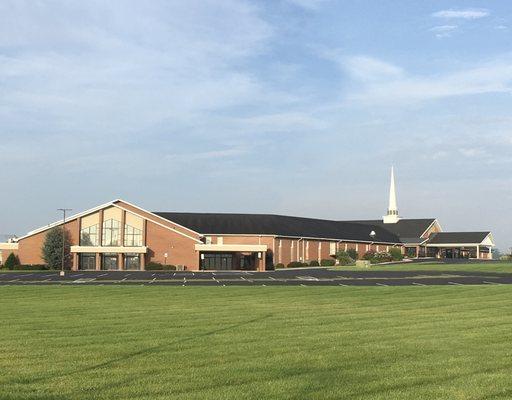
(266, 224)
(457, 237)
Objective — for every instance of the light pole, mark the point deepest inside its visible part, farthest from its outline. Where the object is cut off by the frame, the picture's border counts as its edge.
(64, 210)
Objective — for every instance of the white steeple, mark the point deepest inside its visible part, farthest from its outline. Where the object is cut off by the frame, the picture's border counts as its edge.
(392, 215)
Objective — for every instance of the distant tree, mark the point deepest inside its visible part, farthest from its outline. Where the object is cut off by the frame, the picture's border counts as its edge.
(52, 248)
(496, 254)
(11, 261)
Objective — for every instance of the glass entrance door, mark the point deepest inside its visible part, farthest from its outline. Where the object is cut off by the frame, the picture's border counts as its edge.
(109, 262)
(216, 261)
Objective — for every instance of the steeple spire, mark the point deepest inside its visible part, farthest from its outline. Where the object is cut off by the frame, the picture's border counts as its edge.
(392, 215)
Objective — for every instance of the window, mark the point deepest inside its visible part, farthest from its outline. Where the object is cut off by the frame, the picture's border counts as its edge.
(220, 240)
(87, 261)
(111, 233)
(132, 236)
(208, 240)
(89, 236)
(131, 261)
(109, 261)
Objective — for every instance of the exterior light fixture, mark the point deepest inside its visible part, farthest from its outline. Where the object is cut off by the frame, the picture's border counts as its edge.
(372, 234)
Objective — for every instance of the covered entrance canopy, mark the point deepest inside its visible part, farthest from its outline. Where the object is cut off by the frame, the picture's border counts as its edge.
(461, 245)
(232, 256)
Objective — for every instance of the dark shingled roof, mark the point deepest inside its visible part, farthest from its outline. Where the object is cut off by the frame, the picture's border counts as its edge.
(457, 237)
(280, 225)
(404, 228)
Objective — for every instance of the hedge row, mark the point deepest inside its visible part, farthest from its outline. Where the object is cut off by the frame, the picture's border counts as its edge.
(154, 266)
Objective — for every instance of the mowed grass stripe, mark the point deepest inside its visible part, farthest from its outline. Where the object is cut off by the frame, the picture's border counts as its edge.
(276, 342)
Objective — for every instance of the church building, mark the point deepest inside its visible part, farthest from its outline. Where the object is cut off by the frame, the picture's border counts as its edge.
(119, 235)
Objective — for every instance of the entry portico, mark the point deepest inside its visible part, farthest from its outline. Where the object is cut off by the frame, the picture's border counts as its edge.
(232, 256)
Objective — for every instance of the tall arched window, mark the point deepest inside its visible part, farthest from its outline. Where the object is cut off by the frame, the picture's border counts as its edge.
(111, 233)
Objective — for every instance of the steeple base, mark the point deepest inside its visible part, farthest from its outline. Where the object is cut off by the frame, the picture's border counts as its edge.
(390, 219)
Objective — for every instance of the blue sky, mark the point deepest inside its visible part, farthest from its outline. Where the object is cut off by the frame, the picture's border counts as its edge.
(295, 107)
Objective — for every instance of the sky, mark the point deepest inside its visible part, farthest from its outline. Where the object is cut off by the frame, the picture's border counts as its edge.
(296, 107)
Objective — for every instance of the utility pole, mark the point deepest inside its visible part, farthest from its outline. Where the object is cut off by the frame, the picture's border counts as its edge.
(64, 210)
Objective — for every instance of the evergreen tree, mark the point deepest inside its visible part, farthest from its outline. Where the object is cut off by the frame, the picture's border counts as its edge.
(52, 248)
(11, 261)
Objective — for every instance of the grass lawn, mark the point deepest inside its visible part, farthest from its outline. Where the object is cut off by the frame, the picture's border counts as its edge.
(140, 342)
(437, 266)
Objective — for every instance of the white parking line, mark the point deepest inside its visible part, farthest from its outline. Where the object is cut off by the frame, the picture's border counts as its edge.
(455, 283)
(274, 279)
(102, 274)
(418, 284)
(13, 280)
(341, 284)
(307, 278)
(492, 283)
(381, 284)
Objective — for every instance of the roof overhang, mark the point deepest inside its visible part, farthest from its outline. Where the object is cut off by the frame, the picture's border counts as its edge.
(108, 249)
(231, 247)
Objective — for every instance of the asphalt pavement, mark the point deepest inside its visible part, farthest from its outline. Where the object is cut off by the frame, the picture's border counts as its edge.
(295, 277)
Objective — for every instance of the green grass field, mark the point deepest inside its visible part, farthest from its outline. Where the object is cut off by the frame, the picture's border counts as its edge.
(498, 266)
(142, 342)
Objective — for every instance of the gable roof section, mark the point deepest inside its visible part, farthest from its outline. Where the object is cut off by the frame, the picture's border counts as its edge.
(458, 237)
(279, 225)
(113, 203)
(404, 228)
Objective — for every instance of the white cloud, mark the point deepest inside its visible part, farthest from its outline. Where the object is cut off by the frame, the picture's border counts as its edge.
(443, 31)
(491, 77)
(468, 13)
(307, 4)
(361, 67)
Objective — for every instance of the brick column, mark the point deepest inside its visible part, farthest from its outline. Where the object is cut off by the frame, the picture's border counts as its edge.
(262, 261)
(75, 262)
(120, 261)
(98, 261)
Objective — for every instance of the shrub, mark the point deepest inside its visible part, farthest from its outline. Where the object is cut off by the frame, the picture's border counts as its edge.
(12, 261)
(279, 266)
(369, 255)
(297, 264)
(382, 257)
(352, 253)
(327, 262)
(375, 257)
(31, 267)
(396, 254)
(344, 258)
(155, 266)
(314, 263)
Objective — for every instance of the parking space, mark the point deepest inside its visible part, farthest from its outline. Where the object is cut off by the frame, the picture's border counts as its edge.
(298, 277)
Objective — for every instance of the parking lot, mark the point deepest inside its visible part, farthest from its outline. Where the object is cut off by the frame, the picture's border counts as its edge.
(297, 277)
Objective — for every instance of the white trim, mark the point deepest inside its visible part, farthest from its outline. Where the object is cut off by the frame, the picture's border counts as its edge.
(69, 219)
(308, 238)
(231, 247)
(158, 223)
(8, 246)
(108, 249)
(158, 216)
(459, 245)
(433, 223)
